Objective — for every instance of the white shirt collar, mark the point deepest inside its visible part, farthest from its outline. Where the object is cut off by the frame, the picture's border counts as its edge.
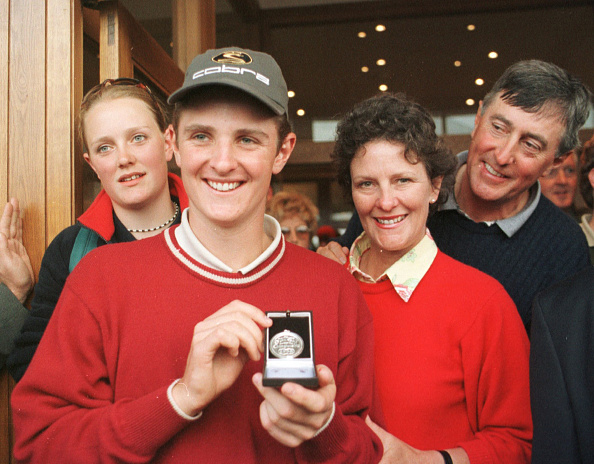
(192, 246)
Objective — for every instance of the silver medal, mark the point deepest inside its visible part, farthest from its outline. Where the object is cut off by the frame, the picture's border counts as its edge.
(286, 344)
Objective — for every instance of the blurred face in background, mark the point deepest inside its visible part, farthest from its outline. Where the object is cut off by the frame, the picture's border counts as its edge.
(559, 183)
(296, 230)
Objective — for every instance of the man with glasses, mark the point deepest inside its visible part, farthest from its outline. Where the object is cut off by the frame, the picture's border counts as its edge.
(297, 216)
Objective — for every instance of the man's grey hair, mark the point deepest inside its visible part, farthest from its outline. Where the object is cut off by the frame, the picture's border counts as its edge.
(535, 85)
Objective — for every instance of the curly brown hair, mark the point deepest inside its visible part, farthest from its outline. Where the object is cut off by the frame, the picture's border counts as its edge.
(393, 118)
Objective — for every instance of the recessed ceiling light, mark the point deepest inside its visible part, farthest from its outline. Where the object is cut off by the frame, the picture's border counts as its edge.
(380, 28)
(471, 27)
(457, 63)
(364, 69)
(380, 62)
(470, 102)
(479, 81)
(291, 94)
(300, 112)
(383, 87)
(361, 35)
(493, 55)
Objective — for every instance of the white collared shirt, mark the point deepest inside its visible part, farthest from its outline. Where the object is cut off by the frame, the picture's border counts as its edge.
(192, 246)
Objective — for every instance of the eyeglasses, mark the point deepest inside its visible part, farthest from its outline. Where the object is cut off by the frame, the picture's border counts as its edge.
(567, 171)
(300, 231)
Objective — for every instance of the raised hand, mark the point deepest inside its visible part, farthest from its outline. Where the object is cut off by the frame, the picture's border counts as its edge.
(16, 271)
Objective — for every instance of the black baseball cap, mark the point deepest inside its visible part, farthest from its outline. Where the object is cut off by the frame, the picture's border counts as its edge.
(256, 73)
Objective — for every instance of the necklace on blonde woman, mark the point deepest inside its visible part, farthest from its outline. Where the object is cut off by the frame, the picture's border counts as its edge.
(165, 224)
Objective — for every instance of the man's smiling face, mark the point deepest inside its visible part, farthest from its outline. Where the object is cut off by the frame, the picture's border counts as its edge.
(227, 149)
(509, 151)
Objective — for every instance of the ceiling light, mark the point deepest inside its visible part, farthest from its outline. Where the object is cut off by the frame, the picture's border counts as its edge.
(291, 94)
(380, 28)
(471, 27)
(383, 87)
(364, 69)
(470, 102)
(457, 63)
(493, 55)
(380, 62)
(479, 81)
(361, 35)
(300, 112)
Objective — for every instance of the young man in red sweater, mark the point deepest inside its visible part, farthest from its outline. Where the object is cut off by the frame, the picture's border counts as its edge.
(112, 380)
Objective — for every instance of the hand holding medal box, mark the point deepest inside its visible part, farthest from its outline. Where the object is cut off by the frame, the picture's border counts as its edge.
(289, 350)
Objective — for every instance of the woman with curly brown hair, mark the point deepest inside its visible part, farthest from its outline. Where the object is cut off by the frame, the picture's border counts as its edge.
(451, 353)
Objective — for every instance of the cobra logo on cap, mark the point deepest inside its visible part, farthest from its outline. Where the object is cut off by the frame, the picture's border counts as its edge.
(232, 57)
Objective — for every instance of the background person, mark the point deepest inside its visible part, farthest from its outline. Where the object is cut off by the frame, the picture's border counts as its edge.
(451, 353)
(587, 191)
(496, 218)
(163, 352)
(16, 277)
(559, 184)
(297, 216)
(122, 126)
(326, 233)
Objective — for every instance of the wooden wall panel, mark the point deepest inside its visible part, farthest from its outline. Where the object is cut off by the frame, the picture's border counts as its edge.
(27, 112)
(25, 155)
(150, 59)
(114, 42)
(147, 56)
(77, 92)
(5, 438)
(64, 93)
(3, 101)
(193, 29)
(5, 427)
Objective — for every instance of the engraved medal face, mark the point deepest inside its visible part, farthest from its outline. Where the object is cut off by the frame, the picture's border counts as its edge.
(286, 344)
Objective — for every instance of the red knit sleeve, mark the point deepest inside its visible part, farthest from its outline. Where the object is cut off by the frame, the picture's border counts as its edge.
(495, 354)
(65, 400)
(348, 439)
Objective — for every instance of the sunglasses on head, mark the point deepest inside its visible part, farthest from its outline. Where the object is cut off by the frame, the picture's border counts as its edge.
(116, 82)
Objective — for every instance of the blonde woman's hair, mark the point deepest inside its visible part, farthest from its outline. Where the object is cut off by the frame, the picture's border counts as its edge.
(287, 204)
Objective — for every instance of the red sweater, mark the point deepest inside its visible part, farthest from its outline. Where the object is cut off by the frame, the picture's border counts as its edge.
(96, 388)
(452, 364)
